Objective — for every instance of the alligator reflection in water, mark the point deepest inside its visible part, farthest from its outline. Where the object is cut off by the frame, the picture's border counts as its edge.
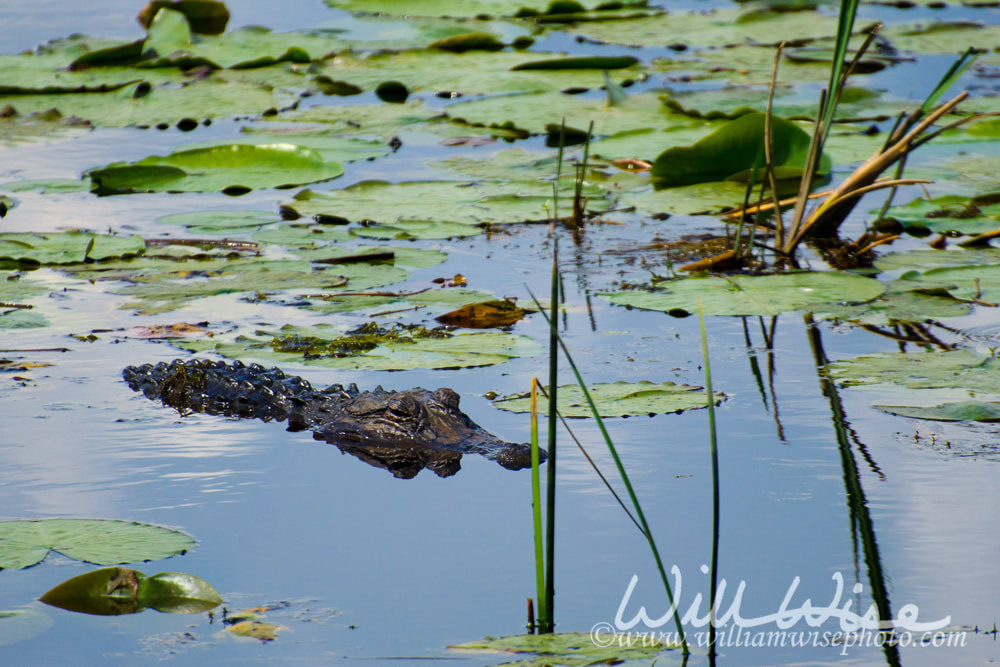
(401, 431)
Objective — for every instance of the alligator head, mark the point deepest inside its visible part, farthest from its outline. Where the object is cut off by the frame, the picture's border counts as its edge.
(418, 418)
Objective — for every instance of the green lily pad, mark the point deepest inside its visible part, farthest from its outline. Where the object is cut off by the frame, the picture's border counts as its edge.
(951, 37)
(61, 185)
(464, 8)
(113, 591)
(732, 152)
(568, 648)
(218, 168)
(440, 201)
(535, 112)
(303, 234)
(796, 102)
(67, 247)
(713, 197)
(618, 399)
(219, 222)
(469, 73)
(417, 229)
(159, 288)
(99, 541)
(966, 282)
(455, 351)
(136, 101)
(720, 27)
(968, 215)
(957, 369)
(435, 300)
(928, 259)
(976, 411)
(752, 295)
(905, 300)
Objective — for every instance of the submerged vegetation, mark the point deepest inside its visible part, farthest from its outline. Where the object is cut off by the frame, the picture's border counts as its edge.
(408, 176)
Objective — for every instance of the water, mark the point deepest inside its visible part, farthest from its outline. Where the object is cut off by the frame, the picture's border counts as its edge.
(357, 565)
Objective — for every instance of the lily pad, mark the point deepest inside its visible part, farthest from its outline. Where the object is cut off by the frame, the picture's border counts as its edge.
(434, 299)
(618, 399)
(568, 648)
(968, 215)
(220, 221)
(118, 590)
(165, 290)
(734, 150)
(439, 201)
(68, 247)
(928, 259)
(752, 295)
(456, 351)
(465, 8)
(976, 411)
(219, 168)
(535, 112)
(61, 185)
(957, 369)
(99, 541)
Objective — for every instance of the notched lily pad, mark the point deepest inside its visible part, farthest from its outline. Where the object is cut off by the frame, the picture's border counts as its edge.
(752, 295)
(99, 541)
(222, 168)
(618, 399)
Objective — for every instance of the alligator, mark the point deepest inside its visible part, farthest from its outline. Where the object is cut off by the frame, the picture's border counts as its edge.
(400, 431)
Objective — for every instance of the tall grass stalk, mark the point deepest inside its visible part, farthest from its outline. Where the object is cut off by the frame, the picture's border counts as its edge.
(647, 533)
(536, 510)
(713, 440)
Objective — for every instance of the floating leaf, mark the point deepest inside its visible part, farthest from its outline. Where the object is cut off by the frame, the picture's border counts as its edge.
(466, 8)
(219, 168)
(977, 411)
(753, 295)
(219, 222)
(177, 593)
(68, 247)
(117, 590)
(618, 399)
(99, 541)
(956, 369)
(732, 151)
(440, 201)
(968, 215)
(569, 648)
(456, 351)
